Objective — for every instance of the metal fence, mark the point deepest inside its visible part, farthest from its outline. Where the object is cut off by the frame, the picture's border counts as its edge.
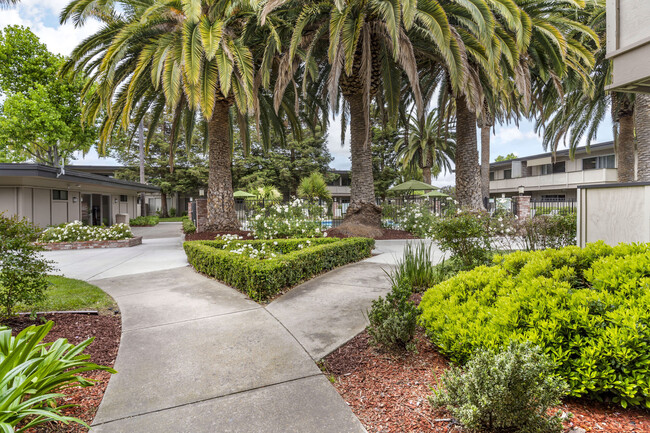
(552, 207)
(334, 212)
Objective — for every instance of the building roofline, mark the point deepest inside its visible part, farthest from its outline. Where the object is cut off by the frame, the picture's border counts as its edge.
(564, 152)
(44, 171)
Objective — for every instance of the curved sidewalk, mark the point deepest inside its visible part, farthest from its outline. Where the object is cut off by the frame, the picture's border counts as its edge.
(198, 356)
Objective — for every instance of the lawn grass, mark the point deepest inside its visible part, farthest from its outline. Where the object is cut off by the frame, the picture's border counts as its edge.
(67, 294)
(171, 219)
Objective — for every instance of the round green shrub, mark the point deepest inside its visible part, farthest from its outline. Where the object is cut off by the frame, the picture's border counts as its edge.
(588, 309)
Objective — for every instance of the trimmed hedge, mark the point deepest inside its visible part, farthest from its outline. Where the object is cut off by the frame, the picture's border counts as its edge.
(588, 309)
(144, 221)
(188, 225)
(261, 279)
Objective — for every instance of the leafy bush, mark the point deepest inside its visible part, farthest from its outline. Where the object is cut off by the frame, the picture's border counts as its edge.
(393, 320)
(261, 279)
(588, 309)
(504, 392)
(466, 235)
(188, 225)
(22, 270)
(144, 221)
(549, 231)
(414, 218)
(297, 219)
(172, 212)
(77, 232)
(33, 372)
(416, 269)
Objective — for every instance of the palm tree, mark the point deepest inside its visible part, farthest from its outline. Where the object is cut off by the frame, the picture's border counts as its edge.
(314, 187)
(362, 47)
(429, 146)
(187, 57)
(576, 116)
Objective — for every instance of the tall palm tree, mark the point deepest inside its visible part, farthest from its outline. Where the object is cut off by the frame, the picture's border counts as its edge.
(576, 115)
(363, 47)
(188, 56)
(429, 146)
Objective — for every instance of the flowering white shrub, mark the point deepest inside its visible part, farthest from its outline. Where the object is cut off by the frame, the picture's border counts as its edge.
(77, 232)
(297, 219)
(236, 245)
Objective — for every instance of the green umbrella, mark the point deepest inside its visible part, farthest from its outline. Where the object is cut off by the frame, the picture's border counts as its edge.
(243, 194)
(436, 194)
(413, 185)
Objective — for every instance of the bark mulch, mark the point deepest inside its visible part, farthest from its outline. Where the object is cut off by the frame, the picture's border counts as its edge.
(76, 328)
(388, 392)
(210, 236)
(387, 234)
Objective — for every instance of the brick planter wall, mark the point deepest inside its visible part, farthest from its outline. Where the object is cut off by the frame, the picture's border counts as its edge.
(87, 245)
(523, 206)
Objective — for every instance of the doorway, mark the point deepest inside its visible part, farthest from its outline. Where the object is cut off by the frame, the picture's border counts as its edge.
(96, 209)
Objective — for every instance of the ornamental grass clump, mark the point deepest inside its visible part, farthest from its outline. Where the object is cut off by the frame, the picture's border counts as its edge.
(587, 309)
(77, 232)
(502, 392)
(416, 268)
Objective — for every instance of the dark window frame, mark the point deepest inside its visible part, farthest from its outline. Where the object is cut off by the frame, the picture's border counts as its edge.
(124, 198)
(60, 195)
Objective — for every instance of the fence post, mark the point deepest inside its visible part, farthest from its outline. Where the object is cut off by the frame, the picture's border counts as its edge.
(523, 206)
(201, 214)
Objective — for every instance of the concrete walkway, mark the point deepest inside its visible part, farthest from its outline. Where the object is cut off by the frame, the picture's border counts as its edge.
(197, 356)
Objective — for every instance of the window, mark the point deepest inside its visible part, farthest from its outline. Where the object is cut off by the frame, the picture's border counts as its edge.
(507, 174)
(124, 198)
(596, 162)
(554, 197)
(59, 194)
(558, 167)
(491, 175)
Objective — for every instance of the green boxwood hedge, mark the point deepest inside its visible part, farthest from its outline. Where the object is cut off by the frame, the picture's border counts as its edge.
(588, 309)
(261, 279)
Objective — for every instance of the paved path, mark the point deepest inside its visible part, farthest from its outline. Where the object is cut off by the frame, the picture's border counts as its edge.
(197, 356)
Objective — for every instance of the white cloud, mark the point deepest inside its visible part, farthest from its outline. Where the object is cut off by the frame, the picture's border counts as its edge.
(42, 18)
(509, 134)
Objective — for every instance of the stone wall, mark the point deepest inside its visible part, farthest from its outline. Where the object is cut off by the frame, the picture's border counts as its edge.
(87, 245)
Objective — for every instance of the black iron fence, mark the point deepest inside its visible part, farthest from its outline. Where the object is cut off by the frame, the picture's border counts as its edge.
(552, 207)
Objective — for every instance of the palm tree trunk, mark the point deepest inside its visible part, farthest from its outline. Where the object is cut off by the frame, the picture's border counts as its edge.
(642, 114)
(625, 148)
(221, 203)
(485, 162)
(468, 176)
(363, 209)
(426, 174)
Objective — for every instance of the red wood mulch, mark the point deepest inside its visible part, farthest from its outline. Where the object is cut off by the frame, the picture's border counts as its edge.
(388, 392)
(103, 351)
(387, 234)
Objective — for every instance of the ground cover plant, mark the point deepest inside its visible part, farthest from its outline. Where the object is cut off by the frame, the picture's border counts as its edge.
(262, 268)
(35, 372)
(67, 294)
(587, 309)
(172, 219)
(77, 232)
(144, 221)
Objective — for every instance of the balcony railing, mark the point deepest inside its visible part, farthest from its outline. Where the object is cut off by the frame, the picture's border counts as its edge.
(556, 180)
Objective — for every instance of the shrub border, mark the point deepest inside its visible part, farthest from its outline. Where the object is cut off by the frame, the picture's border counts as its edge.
(262, 279)
(88, 245)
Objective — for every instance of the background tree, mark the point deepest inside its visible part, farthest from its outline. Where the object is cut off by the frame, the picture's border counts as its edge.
(40, 117)
(385, 171)
(314, 187)
(508, 157)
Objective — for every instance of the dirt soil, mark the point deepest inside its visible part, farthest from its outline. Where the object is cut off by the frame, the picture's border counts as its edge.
(387, 234)
(76, 328)
(388, 393)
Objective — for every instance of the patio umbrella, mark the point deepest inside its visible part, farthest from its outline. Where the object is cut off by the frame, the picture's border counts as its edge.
(413, 185)
(436, 194)
(243, 194)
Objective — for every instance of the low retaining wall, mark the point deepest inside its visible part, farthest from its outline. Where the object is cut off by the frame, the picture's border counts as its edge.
(87, 245)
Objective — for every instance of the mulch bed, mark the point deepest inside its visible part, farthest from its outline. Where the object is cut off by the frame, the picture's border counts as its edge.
(76, 328)
(388, 392)
(387, 234)
(210, 236)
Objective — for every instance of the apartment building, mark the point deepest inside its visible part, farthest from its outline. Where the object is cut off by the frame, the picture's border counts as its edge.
(549, 178)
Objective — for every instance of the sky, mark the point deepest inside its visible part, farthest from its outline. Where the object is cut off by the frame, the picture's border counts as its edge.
(42, 17)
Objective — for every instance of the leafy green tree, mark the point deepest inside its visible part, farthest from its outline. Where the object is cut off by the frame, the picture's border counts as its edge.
(40, 117)
(284, 164)
(314, 187)
(508, 157)
(385, 171)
